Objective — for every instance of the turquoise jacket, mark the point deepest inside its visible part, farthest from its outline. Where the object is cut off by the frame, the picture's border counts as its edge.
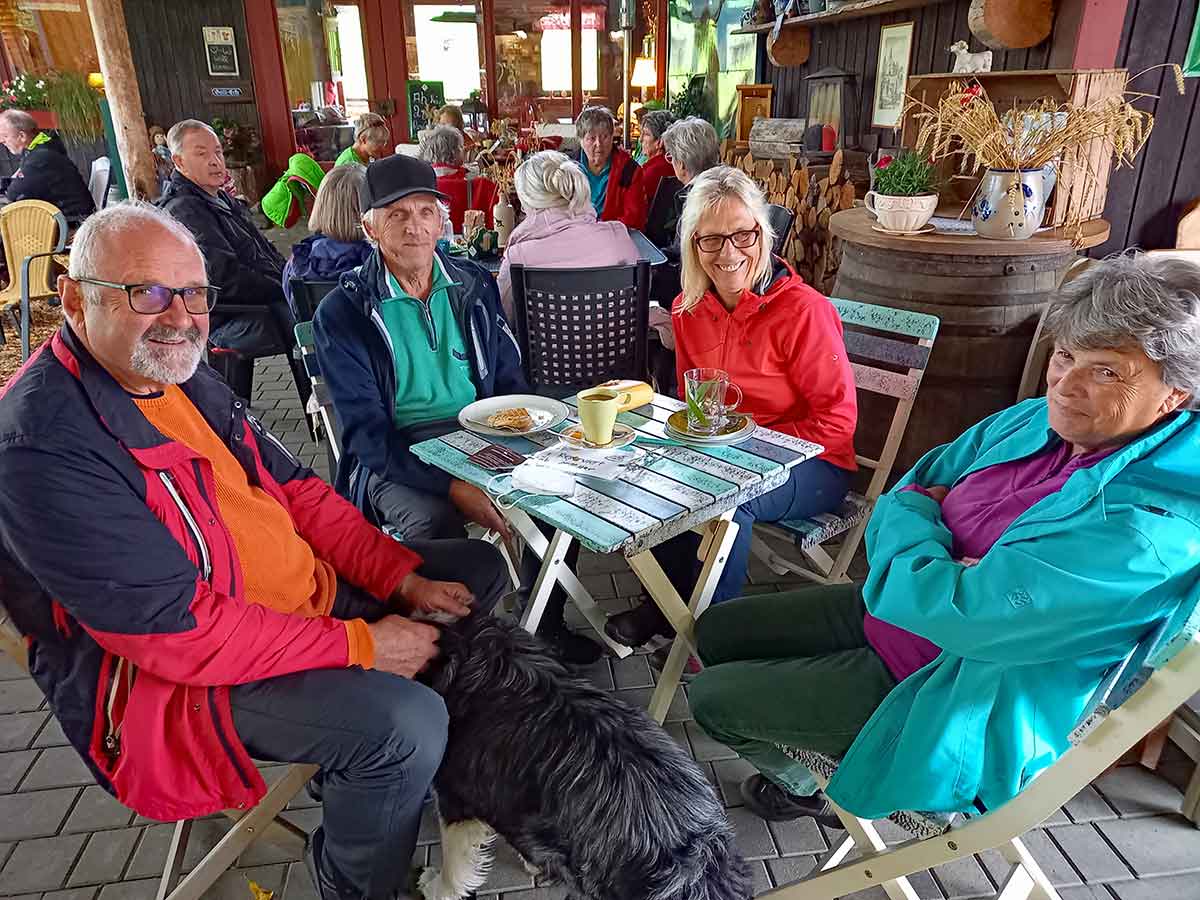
(1028, 632)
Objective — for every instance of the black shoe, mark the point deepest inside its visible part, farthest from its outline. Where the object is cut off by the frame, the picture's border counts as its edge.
(573, 649)
(769, 801)
(637, 626)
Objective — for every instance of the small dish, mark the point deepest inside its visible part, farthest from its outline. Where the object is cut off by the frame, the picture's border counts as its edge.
(736, 426)
(924, 229)
(623, 436)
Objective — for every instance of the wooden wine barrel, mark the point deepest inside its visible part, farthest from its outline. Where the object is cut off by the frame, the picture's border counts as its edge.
(989, 296)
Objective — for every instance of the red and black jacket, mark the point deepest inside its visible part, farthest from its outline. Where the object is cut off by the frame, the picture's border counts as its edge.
(625, 199)
(116, 565)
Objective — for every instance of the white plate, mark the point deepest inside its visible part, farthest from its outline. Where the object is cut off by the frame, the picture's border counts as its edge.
(545, 412)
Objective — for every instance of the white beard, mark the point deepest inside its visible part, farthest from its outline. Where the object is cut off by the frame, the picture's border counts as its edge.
(167, 365)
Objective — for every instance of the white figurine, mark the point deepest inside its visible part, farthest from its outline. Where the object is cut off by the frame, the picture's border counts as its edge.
(965, 61)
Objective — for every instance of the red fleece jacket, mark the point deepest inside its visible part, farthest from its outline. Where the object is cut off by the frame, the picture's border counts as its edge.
(784, 349)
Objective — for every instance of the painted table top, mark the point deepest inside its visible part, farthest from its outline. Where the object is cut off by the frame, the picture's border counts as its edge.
(674, 489)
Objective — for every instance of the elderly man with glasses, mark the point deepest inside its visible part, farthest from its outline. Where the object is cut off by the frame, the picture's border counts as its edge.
(193, 596)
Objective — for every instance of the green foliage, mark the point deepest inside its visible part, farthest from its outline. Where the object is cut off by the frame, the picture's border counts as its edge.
(908, 175)
(26, 91)
(77, 106)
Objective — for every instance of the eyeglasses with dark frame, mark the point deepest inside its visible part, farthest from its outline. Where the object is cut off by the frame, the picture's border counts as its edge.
(149, 299)
(715, 243)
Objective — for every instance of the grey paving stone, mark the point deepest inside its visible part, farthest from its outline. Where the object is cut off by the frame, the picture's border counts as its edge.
(151, 853)
(76, 893)
(798, 836)
(146, 889)
(760, 881)
(9, 670)
(963, 878)
(1134, 791)
(57, 767)
(299, 885)
(34, 814)
(41, 864)
(51, 735)
(1089, 853)
(430, 832)
(790, 869)
(1175, 887)
(20, 696)
(1163, 845)
(550, 892)
(1050, 858)
(17, 730)
(600, 585)
(1085, 892)
(104, 857)
(97, 809)
(678, 711)
(631, 672)
(679, 733)
(628, 584)
(614, 605)
(600, 674)
(705, 747)
(13, 766)
(730, 774)
(1089, 806)
(753, 837)
(235, 884)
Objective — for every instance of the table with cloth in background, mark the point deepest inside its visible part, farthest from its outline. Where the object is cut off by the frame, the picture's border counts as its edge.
(673, 490)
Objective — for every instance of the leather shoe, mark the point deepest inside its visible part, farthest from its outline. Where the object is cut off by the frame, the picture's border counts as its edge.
(638, 625)
(769, 801)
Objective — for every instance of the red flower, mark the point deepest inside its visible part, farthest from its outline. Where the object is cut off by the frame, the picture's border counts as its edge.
(884, 162)
(971, 93)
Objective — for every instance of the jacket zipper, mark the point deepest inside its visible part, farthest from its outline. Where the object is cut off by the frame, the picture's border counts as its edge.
(112, 732)
(205, 562)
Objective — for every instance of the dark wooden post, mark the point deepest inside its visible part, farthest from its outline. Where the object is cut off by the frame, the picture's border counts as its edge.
(124, 97)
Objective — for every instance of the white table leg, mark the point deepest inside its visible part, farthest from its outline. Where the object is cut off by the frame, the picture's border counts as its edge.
(718, 536)
(546, 552)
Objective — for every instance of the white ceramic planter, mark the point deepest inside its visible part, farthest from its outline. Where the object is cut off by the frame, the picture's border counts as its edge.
(504, 218)
(1000, 214)
(901, 214)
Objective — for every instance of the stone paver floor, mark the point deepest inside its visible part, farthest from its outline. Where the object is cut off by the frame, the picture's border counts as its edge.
(63, 838)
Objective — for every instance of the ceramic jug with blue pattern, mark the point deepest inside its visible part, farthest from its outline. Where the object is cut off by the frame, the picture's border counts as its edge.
(1012, 212)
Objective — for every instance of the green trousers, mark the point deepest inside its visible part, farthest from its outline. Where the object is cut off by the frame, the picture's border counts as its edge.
(792, 669)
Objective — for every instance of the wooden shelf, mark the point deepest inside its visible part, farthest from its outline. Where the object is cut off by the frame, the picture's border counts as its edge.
(859, 10)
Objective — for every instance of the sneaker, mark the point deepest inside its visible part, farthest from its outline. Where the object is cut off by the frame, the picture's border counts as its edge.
(638, 625)
(769, 801)
(573, 649)
(691, 668)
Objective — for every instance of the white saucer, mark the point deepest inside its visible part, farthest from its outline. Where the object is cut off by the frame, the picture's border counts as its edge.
(924, 229)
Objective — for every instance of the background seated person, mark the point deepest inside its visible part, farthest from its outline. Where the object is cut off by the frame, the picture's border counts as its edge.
(655, 165)
(443, 149)
(196, 599)
(452, 116)
(45, 172)
(988, 617)
(372, 141)
(559, 230)
(337, 243)
(242, 263)
(749, 314)
(613, 176)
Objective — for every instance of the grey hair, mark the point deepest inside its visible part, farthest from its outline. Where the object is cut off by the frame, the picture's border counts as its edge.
(717, 187)
(1134, 299)
(657, 121)
(96, 241)
(373, 128)
(19, 120)
(180, 130)
(595, 118)
(693, 143)
(443, 146)
(549, 179)
(336, 211)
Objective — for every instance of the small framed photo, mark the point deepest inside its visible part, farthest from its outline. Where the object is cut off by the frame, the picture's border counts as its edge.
(891, 74)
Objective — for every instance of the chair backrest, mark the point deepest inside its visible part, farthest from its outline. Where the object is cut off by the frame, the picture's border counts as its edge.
(100, 180)
(889, 349)
(660, 221)
(307, 295)
(27, 228)
(582, 326)
(781, 219)
(306, 343)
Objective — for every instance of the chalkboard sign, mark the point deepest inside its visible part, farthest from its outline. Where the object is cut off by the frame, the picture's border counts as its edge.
(221, 51)
(422, 95)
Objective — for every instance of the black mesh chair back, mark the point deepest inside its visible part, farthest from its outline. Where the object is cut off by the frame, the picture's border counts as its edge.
(781, 219)
(660, 221)
(306, 295)
(580, 327)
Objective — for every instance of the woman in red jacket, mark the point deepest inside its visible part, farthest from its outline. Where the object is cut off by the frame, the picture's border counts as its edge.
(748, 313)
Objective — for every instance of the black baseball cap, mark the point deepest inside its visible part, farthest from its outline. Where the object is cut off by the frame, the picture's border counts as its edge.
(393, 177)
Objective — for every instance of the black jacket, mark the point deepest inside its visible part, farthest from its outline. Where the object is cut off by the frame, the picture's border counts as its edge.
(241, 261)
(47, 173)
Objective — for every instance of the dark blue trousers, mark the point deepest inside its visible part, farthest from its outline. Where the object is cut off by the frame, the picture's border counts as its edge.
(378, 738)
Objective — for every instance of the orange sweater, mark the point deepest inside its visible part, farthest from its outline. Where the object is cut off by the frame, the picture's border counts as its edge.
(278, 566)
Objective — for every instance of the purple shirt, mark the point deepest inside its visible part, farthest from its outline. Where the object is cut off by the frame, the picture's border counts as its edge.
(977, 511)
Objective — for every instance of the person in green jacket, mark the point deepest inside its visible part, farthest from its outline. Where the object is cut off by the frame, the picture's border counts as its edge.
(372, 141)
(1009, 570)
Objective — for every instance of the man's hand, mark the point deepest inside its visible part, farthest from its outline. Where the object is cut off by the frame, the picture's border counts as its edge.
(434, 600)
(938, 492)
(403, 647)
(477, 507)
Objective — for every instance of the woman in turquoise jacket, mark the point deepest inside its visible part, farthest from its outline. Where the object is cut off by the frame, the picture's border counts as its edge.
(1008, 571)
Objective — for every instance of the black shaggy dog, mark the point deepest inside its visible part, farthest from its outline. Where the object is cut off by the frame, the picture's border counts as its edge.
(589, 790)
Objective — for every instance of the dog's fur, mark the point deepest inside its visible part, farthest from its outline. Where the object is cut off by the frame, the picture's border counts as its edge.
(586, 788)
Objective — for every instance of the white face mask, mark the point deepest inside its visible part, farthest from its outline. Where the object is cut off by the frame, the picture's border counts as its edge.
(535, 477)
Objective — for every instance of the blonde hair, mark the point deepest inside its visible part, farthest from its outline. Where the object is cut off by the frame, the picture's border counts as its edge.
(372, 128)
(336, 212)
(708, 190)
(549, 179)
(454, 113)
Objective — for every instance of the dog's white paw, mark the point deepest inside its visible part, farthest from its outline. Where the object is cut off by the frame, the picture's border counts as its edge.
(530, 868)
(430, 885)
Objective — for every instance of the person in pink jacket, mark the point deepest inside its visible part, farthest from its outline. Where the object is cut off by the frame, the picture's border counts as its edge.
(560, 230)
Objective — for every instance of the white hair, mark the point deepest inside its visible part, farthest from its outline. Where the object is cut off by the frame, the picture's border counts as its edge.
(1132, 299)
(715, 188)
(549, 180)
(693, 143)
(180, 130)
(595, 118)
(444, 146)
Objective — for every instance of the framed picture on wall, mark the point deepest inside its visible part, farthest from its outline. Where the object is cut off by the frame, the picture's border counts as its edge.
(891, 74)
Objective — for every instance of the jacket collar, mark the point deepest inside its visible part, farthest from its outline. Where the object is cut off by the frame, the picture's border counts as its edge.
(181, 184)
(781, 277)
